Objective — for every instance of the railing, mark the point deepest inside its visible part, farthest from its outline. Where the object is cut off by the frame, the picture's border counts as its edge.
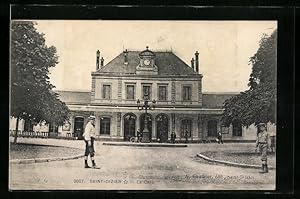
(35, 134)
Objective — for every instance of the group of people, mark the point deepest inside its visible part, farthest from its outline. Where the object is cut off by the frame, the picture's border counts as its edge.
(140, 136)
(263, 143)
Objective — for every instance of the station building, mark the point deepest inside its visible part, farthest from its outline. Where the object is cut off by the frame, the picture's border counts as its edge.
(176, 87)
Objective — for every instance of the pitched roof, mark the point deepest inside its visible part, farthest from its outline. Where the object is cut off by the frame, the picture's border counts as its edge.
(215, 100)
(167, 62)
(78, 97)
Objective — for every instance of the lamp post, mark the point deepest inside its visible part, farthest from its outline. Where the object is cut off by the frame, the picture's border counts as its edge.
(146, 106)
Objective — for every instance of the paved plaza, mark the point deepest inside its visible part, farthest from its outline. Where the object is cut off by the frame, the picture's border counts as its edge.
(136, 168)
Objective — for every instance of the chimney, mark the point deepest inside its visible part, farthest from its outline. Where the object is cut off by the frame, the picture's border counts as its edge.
(125, 57)
(192, 63)
(197, 61)
(97, 59)
(102, 62)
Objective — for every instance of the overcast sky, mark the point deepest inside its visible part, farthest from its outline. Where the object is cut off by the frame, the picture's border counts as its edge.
(224, 46)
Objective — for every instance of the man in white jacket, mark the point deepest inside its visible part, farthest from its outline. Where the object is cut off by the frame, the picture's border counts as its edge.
(89, 137)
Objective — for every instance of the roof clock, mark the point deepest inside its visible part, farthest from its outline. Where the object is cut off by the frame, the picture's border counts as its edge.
(147, 63)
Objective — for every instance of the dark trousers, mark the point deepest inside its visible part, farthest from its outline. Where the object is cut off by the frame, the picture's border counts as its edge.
(220, 140)
(173, 140)
(89, 150)
(263, 149)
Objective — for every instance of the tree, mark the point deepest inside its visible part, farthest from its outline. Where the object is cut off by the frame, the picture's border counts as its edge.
(258, 103)
(32, 97)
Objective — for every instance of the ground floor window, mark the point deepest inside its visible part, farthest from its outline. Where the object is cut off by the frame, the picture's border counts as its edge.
(236, 128)
(28, 126)
(104, 126)
(53, 127)
(129, 126)
(78, 127)
(186, 128)
(212, 128)
(162, 127)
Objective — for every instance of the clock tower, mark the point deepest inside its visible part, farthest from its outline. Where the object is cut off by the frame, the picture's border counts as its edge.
(147, 63)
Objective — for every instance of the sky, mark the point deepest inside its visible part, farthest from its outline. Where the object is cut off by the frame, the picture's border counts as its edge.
(224, 47)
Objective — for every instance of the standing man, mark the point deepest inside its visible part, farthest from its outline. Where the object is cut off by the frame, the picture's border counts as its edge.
(173, 137)
(89, 137)
(139, 135)
(219, 137)
(186, 135)
(263, 144)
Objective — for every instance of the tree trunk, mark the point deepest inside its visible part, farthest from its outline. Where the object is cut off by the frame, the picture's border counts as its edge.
(16, 133)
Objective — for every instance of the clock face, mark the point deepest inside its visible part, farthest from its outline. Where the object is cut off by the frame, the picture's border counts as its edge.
(147, 62)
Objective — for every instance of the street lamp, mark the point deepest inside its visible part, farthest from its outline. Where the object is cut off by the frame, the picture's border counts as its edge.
(146, 106)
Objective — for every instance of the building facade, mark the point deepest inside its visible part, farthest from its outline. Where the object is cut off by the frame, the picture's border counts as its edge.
(176, 87)
(180, 107)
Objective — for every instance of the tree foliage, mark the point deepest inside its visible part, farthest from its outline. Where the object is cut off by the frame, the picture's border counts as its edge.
(258, 103)
(32, 97)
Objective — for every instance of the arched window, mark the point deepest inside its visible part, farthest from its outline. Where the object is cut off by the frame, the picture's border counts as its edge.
(78, 126)
(129, 125)
(104, 125)
(212, 128)
(162, 127)
(236, 128)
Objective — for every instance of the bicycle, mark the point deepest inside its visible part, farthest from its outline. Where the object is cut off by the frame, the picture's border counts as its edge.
(135, 139)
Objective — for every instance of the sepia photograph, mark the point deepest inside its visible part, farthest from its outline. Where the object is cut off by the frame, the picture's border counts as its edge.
(143, 105)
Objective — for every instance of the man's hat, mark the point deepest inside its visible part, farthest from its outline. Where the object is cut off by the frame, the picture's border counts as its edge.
(91, 117)
(261, 124)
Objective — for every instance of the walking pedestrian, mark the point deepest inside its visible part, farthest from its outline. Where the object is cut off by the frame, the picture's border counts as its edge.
(89, 138)
(263, 144)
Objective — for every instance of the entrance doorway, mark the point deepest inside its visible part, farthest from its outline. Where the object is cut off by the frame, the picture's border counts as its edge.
(78, 127)
(212, 128)
(162, 127)
(142, 123)
(129, 126)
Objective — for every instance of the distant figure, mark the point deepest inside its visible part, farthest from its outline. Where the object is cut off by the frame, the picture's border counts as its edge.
(139, 135)
(173, 137)
(89, 138)
(273, 141)
(219, 137)
(186, 135)
(263, 144)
